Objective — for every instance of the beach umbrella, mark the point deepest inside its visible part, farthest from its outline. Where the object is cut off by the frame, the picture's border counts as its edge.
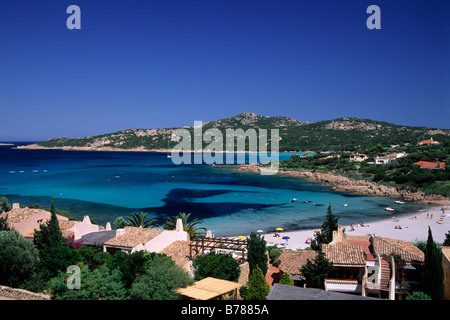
(259, 231)
(279, 229)
(241, 237)
(285, 238)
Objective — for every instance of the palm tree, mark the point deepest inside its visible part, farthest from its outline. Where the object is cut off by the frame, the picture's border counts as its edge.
(189, 227)
(138, 220)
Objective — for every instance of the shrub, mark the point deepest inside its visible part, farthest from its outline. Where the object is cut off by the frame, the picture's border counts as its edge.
(274, 256)
(220, 266)
(160, 280)
(97, 284)
(257, 288)
(286, 279)
(418, 296)
(18, 258)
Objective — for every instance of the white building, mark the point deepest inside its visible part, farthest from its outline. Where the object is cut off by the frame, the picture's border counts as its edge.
(388, 158)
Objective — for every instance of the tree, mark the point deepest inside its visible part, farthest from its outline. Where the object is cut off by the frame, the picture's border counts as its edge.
(130, 265)
(447, 239)
(286, 279)
(258, 288)
(325, 235)
(138, 220)
(56, 259)
(161, 278)
(4, 224)
(256, 252)
(18, 259)
(49, 233)
(274, 255)
(120, 223)
(433, 273)
(220, 266)
(98, 284)
(316, 272)
(4, 205)
(189, 226)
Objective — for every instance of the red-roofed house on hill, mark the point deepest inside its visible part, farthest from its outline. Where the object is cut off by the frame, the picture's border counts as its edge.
(431, 165)
(429, 142)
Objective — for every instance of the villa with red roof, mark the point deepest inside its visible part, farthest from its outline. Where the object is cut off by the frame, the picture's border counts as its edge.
(363, 265)
(429, 142)
(431, 165)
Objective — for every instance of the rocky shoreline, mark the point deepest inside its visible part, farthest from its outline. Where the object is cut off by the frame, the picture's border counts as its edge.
(361, 187)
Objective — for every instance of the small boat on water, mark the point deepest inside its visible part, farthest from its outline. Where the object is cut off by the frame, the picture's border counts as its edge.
(12, 172)
(34, 171)
(294, 200)
(388, 209)
(345, 205)
(306, 201)
(398, 202)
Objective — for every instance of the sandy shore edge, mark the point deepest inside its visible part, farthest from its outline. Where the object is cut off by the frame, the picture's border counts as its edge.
(414, 227)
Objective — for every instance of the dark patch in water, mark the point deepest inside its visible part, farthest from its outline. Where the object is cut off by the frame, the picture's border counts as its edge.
(177, 201)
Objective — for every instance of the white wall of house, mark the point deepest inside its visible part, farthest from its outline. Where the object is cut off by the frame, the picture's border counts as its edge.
(84, 227)
(164, 239)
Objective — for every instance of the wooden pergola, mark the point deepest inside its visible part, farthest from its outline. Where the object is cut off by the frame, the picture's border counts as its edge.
(225, 245)
(209, 288)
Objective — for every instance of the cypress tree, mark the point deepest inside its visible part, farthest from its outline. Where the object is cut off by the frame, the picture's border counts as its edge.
(325, 235)
(286, 279)
(316, 272)
(433, 273)
(258, 288)
(256, 252)
(49, 233)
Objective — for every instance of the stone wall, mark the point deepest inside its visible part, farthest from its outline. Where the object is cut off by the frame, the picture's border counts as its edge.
(245, 270)
(19, 294)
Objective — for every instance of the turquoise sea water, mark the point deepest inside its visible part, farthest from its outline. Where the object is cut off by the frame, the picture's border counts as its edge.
(105, 185)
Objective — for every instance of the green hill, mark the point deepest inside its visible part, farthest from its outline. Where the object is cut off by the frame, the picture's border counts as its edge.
(343, 134)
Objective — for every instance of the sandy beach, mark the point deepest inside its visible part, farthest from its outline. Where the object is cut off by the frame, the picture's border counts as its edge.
(414, 227)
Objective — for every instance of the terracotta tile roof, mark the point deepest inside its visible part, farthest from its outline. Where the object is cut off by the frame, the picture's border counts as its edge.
(345, 255)
(292, 261)
(65, 225)
(134, 236)
(19, 214)
(179, 252)
(430, 165)
(430, 141)
(362, 241)
(406, 250)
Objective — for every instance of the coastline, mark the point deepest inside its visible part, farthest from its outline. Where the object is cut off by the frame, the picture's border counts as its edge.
(361, 187)
(414, 227)
(138, 149)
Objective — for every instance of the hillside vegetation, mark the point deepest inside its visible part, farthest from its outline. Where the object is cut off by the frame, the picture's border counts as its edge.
(343, 134)
(401, 173)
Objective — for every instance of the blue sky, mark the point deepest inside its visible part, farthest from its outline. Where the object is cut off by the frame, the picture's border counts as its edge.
(167, 63)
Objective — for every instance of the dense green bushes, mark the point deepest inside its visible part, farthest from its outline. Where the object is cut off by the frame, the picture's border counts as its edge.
(401, 172)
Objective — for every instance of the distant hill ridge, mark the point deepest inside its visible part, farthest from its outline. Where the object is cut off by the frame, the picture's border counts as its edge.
(348, 133)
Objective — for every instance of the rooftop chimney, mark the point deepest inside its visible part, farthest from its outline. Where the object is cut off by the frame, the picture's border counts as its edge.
(179, 227)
